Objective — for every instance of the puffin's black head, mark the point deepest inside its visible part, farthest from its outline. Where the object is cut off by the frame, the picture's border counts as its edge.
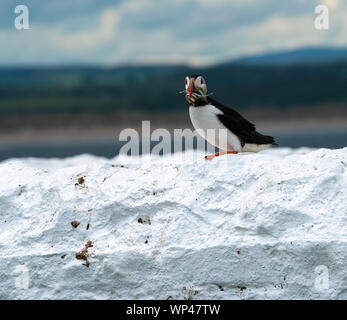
(195, 88)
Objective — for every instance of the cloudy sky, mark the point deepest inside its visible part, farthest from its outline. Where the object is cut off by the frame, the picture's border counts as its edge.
(156, 31)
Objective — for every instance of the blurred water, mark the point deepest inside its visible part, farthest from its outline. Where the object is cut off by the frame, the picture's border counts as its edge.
(327, 138)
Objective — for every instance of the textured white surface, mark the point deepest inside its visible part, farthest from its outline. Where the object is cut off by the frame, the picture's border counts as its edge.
(239, 227)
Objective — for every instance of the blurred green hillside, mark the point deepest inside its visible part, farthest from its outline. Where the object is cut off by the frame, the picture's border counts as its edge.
(152, 88)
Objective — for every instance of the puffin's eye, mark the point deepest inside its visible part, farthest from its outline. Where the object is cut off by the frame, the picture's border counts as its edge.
(187, 82)
(199, 81)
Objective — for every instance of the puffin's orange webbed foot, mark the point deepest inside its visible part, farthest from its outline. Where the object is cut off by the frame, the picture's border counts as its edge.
(211, 156)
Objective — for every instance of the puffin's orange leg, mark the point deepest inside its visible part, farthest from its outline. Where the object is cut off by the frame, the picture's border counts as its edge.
(210, 157)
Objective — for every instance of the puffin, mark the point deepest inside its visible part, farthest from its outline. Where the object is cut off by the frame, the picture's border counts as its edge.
(240, 135)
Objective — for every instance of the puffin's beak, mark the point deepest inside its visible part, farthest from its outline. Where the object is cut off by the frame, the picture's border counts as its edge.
(191, 87)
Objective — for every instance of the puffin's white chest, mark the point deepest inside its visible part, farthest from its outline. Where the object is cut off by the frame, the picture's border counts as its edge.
(204, 118)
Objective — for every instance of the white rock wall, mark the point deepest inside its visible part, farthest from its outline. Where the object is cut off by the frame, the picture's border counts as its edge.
(262, 226)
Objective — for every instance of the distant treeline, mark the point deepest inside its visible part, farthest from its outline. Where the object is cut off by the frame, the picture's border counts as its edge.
(152, 88)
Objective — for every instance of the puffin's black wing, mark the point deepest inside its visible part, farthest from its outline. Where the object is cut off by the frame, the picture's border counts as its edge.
(240, 126)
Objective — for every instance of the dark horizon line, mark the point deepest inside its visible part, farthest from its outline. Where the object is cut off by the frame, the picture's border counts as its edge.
(240, 60)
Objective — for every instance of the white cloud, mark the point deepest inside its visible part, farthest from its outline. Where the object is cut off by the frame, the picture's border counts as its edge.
(90, 38)
(332, 4)
(195, 32)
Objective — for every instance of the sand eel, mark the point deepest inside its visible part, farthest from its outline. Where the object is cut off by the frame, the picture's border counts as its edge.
(239, 134)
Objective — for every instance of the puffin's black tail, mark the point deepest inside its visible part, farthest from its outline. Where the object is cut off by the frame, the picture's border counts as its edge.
(272, 140)
(258, 138)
